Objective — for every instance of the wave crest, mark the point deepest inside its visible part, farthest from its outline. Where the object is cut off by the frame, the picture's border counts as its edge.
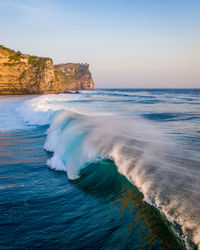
(167, 176)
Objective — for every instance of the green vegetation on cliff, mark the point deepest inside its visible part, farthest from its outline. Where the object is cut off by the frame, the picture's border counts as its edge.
(29, 74)
(16, 57)
(3, 49)
(38, 61)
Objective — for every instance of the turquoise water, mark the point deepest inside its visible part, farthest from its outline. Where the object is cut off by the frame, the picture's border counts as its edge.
(106, 169)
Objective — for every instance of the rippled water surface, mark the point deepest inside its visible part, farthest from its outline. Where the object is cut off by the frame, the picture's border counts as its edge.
(104, 169)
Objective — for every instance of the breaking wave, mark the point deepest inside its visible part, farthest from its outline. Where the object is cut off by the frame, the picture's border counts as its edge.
(167, 176)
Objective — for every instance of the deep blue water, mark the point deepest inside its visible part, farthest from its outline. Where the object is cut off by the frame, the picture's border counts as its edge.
(83, 171)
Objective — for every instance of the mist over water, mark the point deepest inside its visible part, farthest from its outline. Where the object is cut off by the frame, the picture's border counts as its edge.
(152, 136)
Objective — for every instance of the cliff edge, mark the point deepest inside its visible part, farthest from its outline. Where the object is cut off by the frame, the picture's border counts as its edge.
(25, 74)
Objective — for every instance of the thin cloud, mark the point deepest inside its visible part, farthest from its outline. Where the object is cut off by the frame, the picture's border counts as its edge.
(31, 8)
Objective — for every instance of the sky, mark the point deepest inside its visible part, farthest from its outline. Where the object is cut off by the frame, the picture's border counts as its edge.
(128, 43)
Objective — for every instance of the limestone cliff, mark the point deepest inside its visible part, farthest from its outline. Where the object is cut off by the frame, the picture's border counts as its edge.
(73, 76)
(25, 74)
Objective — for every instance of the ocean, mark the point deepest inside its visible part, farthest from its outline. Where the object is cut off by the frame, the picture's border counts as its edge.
(103, 169)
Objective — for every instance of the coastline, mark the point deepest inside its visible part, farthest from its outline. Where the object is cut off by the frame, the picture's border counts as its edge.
(28, 74)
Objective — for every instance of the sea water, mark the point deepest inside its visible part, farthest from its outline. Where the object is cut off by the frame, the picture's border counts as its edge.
(103, 169)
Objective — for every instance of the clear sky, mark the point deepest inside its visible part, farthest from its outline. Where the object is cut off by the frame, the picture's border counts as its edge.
(128, 43)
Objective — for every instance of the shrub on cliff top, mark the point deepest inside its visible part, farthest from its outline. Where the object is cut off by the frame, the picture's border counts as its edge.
(32, 60)
(37, 61)
(18, 53)
(14, 58)
(7, 49)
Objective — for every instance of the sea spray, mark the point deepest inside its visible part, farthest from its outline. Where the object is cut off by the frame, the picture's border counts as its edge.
(138, 153)
(166, 174)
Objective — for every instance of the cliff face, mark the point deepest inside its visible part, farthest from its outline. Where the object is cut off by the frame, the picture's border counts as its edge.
(25, 74)
(73, 76)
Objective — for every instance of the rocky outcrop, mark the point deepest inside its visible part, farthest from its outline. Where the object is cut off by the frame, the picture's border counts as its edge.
(73, 76)
(25, 74)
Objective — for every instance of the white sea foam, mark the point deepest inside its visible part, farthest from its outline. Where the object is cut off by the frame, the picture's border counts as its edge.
(9, 118)
(142, 154)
